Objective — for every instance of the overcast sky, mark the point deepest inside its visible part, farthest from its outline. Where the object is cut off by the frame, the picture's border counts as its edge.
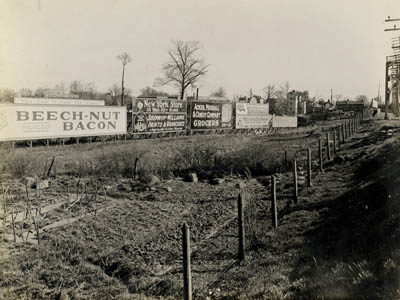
(316, 45)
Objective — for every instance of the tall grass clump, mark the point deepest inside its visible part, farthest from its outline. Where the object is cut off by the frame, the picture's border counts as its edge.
(195, 158)
(19, 164)
(256, 157)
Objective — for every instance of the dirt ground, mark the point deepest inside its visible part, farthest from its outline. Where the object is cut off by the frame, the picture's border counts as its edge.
(120, 238)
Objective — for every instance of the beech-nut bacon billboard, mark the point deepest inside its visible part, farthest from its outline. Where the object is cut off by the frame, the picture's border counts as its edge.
(252, 115)
(25, 122)
(210, 115)
(158, 115)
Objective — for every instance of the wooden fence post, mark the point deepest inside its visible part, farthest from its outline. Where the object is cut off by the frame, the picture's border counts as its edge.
(351, 126)
(343, 133)
(334, 141)
(285, 158)
(328, 146)
(77, 140)
(338, 137)
(321, 162)
(296, 190)
(274, 207)
(309, 167)
(30, 145)
(241, 227)
(47, 143)
(187, 274)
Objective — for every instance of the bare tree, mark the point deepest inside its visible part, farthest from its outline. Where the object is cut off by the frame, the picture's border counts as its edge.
(83, 90)
(220, 92)
(270, 91)
(125, 59)
(184, 67)
(115, 92)
(338, 97)
(151, 92)
(284, 89)
(41, 92)
(7, 95)
(60, 88)
(362, 98)
(25, 92)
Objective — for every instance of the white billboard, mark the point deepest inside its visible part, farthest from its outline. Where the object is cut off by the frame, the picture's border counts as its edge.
(284, 121)
(25, 122)
(252, 115)
(57, 101)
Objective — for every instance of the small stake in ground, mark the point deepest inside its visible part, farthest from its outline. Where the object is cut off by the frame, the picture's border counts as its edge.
(328, 146)
(241, 227)
(274, 208)
(187, 274)
(13, 217)
(309, 167)
(321, 166)
(296, 191)
(135, 167)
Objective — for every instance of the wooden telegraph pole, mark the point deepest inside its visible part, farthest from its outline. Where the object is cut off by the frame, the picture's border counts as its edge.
(389, 62)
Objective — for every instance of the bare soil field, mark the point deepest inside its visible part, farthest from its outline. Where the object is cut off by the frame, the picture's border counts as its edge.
(105, 233)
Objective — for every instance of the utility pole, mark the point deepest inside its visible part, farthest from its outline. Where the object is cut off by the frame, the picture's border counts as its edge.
(390, 61)
(125, 59)
(387, 90)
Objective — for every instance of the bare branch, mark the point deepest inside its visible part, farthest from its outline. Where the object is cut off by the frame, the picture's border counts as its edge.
(184, 67)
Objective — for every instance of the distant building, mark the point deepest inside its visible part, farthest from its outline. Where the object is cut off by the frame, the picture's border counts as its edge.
(297, 102)
(252, 99)
(357, 106)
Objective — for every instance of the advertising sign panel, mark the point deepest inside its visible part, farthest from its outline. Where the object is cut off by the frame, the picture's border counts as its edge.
(284, 121)
(158, 115)
(57, 101)
(210, 115)
(249, 115)
(24, 122)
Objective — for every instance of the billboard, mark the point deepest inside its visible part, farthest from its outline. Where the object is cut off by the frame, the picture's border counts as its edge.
(284, 121)
(57, 101)
(25, 122)
(158, 115)
(252, 115)
(210, 115)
